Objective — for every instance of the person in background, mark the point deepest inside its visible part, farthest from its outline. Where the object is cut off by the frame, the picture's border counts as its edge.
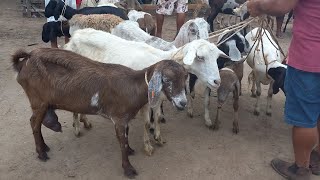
(302, 84)
(166, 7)
(71, 3)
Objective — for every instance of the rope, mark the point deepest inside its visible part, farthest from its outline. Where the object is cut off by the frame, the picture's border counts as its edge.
(62, 14)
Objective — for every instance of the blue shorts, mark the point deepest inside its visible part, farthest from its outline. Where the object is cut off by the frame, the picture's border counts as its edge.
(302, 108)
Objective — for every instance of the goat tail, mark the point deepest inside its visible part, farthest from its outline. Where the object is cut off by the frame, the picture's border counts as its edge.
(16, 62)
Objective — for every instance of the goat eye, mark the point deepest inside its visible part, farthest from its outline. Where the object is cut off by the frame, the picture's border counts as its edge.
(200, 58)
(165, 80)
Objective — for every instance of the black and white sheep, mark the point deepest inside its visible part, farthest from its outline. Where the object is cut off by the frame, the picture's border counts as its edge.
(57, 7)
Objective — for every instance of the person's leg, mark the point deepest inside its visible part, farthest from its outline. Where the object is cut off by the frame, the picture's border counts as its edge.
(180, 21)
(279, 26)
(181, 9)
(315, 156)
(304, 139)
(301, 111)
(159, 19)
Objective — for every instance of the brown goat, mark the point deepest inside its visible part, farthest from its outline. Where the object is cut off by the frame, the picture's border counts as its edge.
(147, 24)
(60, 79)
(231, 76)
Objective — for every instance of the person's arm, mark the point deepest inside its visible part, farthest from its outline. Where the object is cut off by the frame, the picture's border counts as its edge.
(270, 7)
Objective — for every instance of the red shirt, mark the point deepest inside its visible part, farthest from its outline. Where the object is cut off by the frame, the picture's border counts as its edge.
(304, 50)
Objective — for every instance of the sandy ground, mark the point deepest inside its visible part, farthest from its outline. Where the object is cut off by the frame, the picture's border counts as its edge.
(192, 150)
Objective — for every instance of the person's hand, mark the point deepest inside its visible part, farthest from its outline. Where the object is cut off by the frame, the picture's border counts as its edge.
(254, 8)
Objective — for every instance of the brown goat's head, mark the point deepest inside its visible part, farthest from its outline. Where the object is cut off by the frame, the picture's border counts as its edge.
(170, 78)
(147, 24)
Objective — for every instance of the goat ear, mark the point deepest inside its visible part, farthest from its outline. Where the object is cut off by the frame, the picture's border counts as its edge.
(154, 89)
(189, 57)
(223, 55)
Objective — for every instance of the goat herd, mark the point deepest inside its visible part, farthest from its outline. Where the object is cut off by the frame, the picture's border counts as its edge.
(114, 68)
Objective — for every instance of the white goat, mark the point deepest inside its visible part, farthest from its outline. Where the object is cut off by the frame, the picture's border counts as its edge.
(266, 67)
(193, 29)
(199, 57)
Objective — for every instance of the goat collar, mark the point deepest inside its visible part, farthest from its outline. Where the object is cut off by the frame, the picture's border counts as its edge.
(146, 77)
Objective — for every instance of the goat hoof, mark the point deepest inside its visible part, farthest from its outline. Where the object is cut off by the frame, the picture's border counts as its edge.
(148, 150)
(209, 124)
(43, 156)
(235, 129)
(163, 120)
(88, 126)
(130, 151)
(269, 114)
(77, 133)
(46, 148)
(160, 141)
(256, 113)
(130, 172)
(151, 130)
(216, 125)
(253, 95)
(190, 114)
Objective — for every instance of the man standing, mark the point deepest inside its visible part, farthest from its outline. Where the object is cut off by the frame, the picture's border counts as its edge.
(166, 7)
(302, 84)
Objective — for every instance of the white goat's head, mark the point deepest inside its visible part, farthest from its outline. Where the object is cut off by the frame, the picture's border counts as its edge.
(200, 58)
(191, 30)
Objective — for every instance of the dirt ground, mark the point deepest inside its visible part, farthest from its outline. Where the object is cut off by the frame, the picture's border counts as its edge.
(192, 151)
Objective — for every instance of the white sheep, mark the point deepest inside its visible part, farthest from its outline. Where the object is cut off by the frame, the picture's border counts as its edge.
(145, 21)
(266, 67)
(199, 57)
(193, 29)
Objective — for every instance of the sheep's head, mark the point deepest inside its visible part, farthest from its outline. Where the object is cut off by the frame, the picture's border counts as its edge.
(58, 9)
(278, 74)
(234, 46)
(228, 6)
(191, 30)
(169, 77)
(49, 10)
(200, 58)
(147, 24)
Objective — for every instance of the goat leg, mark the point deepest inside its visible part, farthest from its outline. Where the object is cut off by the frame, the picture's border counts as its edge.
(129, 170)
(216, 123)
(36, 122)
(235, 109)
(269, 98)
(76, 124)
(258, 92)
(162, 119)
(87, 124)
(146, 139)
(213, 14)
(207, 119)
(191, 96)
(130, 150)
(157, 137)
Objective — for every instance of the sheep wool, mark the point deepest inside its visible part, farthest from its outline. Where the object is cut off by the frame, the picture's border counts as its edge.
(104, 22)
